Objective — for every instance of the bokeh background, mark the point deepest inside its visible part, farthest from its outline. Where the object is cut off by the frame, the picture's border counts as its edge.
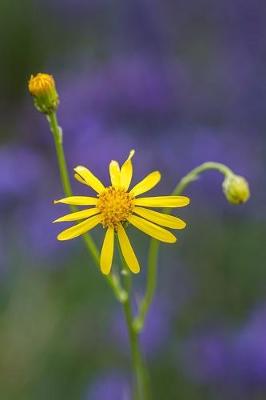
(182, 82)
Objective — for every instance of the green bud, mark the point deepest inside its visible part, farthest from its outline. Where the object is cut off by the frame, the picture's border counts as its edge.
(236, 189)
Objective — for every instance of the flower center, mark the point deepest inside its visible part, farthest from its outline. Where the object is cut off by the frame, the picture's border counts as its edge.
(116, 205)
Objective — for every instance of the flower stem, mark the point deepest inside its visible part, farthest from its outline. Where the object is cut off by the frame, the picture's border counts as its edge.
(193, 175)
(150, 285)
(137, 363)
(146, 302)
(58, 141)
(57, 133)
(139, 370)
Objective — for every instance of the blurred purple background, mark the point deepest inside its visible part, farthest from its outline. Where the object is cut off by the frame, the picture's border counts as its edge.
(182, 82)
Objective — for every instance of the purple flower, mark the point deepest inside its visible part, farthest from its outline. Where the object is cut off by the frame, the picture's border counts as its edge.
(191, 147)
(112, 386)
(127, 91)
(95, 145)
(36, 232)
(26, 202)
(205, 357)
(235, 360)
(21, 170)
(250, 349)
(157, 327)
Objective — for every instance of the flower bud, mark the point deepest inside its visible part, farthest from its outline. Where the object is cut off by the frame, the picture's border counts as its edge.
(236, 189)
(42, 88)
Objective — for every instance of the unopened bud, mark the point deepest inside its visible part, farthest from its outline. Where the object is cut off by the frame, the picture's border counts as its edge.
(236, 189)
(42, 88)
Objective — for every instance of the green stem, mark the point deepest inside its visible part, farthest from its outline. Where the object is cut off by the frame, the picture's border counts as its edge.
(150, 285)
(56, 131)
(58, 141)
(193, 175)
(154, 244)
(137, 363)
(139, 369)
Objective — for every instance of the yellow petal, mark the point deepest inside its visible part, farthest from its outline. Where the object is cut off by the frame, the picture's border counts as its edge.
(78, 178)
(79, 229)
(114, 171)
(151, 229)
(88, 178)
(78, 215)
(107, 251)
(127, 250)
(147, 183)
(161, 219)
(163, 201)
(127, 171)
(78, 201)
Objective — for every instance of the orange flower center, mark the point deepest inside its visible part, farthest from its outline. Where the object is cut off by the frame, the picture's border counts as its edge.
(116, 205)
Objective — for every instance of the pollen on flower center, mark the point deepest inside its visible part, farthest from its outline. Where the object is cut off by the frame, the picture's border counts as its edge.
(41, 84)
(116, 205)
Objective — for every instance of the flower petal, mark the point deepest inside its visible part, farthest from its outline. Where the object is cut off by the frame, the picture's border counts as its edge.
(146, 184)
(151, 229)
(78, 201)
(127, 171)
(161, 219)
(88, 178)
(127, 250)
(107, 251)
(78, 178)
(114, 171)
(79, 229)
(78, 215)
(163, 201)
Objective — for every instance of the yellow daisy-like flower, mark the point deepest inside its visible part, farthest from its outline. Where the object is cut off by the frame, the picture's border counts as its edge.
(42, 88)
(115, 206)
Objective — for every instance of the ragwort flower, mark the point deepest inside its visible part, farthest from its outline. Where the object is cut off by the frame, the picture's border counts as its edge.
(115, 206)
(42, 88)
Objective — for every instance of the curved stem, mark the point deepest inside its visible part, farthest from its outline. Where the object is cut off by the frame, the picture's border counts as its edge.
(194, 174)
(154, 244)
(56, 131)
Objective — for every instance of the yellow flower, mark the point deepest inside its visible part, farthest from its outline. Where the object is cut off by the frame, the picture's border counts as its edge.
(40, 84)
(42, 88)
(115, 206)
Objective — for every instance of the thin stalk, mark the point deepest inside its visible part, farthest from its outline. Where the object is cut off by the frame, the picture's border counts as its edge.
(151, 284)
(193, 175)
(135, 353)
(139, 370)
